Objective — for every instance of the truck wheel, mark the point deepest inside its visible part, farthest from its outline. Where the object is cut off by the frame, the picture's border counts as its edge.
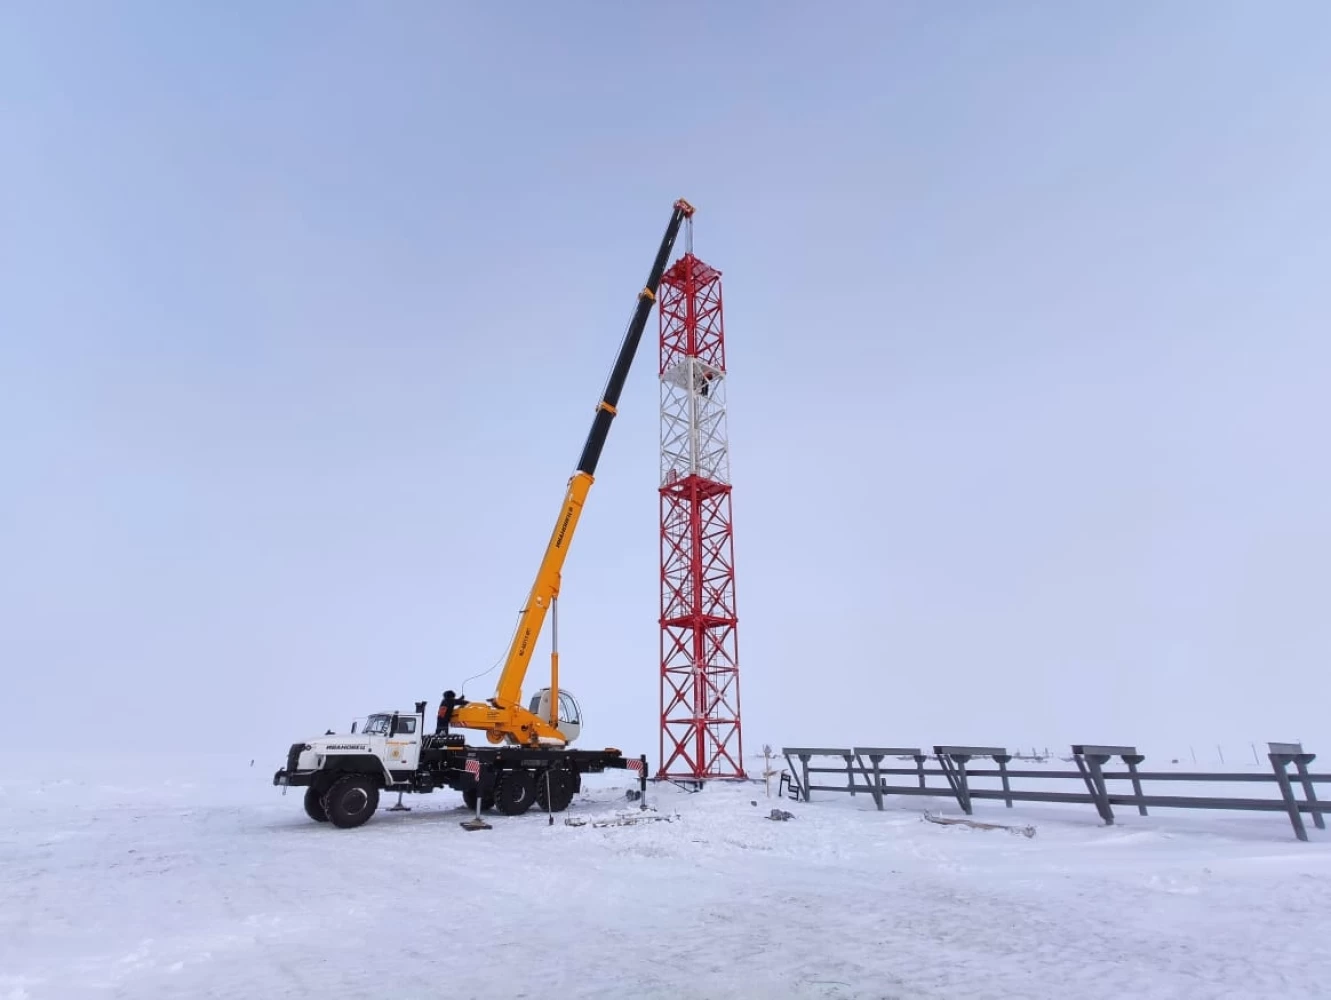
(561, 790)
(469, 800)
(515, 792)
(314, 807)
(351, 800)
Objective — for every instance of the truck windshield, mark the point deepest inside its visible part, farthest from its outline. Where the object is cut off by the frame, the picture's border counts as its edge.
(376, 725)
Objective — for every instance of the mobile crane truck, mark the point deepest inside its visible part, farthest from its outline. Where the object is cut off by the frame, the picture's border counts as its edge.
(530, 759)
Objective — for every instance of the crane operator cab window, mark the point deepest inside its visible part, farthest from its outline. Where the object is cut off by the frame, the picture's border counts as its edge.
(570, 715)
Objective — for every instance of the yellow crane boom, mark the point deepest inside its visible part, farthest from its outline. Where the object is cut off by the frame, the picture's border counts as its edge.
(503, 718)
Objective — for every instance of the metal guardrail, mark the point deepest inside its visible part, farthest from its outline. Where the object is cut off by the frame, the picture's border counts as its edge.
(1090, 760)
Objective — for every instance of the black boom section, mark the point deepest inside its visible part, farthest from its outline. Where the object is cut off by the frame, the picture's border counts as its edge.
(605, 412)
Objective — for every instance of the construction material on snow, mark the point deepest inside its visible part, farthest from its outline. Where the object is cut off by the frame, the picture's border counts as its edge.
(1025, 831)
(621, 819)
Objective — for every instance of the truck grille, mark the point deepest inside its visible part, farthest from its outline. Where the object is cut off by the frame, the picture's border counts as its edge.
(293, 756)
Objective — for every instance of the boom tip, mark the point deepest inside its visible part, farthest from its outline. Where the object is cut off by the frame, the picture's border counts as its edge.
(685, 207)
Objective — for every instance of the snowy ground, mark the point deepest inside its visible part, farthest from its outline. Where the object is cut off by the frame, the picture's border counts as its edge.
(118, 880)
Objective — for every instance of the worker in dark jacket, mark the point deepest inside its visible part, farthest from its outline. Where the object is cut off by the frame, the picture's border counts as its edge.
(450, 702)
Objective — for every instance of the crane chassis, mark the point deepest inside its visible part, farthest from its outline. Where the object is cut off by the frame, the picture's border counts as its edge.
(343, 775)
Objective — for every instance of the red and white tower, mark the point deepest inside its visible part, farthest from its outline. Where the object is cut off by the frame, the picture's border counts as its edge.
(700, 722)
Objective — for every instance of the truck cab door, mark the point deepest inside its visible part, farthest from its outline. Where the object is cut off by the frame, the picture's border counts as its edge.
(403, 749)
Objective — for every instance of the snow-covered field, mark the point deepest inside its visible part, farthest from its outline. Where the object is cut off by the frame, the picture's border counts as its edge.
(159, 877)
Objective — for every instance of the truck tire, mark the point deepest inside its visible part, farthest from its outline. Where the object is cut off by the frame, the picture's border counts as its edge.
(561, 789)
(515, 792)
(314, 807)
(351, 800)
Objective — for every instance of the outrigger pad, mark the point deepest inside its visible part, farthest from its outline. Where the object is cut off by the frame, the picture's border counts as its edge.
(475, 824)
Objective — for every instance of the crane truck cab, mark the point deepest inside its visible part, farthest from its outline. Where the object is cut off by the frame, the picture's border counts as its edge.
(342, 773)
(395, 738)
(390, 741)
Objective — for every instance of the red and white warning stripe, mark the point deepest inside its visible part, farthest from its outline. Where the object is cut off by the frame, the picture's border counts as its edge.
(473, 767)
(636, 765)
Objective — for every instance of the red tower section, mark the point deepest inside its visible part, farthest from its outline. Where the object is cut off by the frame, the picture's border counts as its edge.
(700, 717)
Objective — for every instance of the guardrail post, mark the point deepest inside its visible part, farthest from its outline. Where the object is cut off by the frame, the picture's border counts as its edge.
(1002, 759)
(876, 788)
(877, 755)
(1281, 754)
(805, 753)
(802, 792)
(955, 766)
(1089, 758)
(1132, 760)
(1301, 762)
(953, 761)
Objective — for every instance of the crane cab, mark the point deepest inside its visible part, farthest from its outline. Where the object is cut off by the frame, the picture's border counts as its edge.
(570, 714)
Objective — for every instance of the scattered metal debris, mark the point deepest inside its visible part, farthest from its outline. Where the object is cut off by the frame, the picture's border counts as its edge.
(623, 819)
(1025, 831)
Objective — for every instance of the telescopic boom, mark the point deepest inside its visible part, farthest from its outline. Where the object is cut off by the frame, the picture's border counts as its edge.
(504, 717)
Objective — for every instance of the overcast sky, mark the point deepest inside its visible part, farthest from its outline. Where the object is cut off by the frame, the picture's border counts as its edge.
(304, 309)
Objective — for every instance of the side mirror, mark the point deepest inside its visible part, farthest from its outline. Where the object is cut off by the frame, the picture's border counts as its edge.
(353, 727)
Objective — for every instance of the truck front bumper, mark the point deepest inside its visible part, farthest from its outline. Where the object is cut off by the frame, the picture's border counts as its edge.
(297, 778)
